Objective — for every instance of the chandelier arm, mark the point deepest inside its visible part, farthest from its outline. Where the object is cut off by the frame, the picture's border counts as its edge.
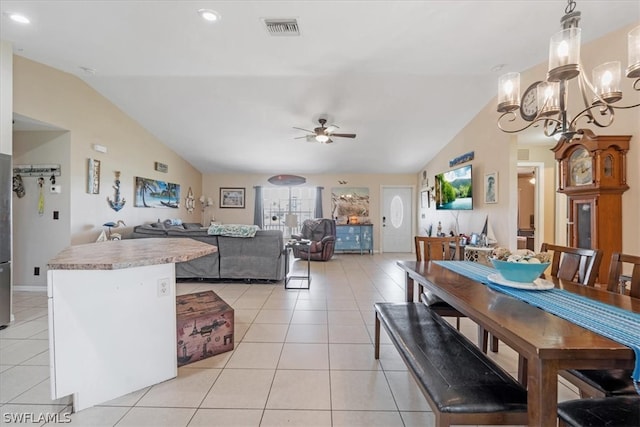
(511, 117)
(547, 123)
(553, 126)
(606, 110)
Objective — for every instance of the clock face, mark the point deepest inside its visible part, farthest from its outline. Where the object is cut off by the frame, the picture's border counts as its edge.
(529, 103)
(580, 167)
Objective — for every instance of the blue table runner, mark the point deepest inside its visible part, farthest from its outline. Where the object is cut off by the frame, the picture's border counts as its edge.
(615, 323)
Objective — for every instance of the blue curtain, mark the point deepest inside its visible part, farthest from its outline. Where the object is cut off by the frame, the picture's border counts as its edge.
(317, 212)
(258, 206)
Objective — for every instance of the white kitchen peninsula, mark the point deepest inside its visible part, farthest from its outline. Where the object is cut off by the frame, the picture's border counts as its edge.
(112, 316)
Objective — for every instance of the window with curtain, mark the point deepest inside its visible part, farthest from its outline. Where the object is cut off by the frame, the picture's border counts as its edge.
(278, 203)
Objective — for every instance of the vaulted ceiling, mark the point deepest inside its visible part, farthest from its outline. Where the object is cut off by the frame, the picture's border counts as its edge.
(405, 76)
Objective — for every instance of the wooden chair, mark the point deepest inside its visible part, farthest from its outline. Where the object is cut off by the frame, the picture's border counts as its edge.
(616, 270)
(609, 382)
(438, 249)
(574, 264)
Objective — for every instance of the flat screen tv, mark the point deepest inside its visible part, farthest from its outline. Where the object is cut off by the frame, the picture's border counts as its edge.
(454, 190)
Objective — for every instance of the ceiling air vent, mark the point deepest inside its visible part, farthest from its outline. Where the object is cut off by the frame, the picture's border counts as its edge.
(282, 27)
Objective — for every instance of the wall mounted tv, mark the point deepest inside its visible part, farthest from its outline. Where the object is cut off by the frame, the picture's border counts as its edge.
(454, 190)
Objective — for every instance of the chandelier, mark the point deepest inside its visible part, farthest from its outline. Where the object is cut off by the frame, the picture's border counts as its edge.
(546, 101)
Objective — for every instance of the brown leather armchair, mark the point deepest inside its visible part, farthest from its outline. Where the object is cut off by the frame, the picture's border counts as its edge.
(322, 233)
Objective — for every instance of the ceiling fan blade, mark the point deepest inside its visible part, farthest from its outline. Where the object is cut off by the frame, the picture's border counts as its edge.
(306, 136)
(344, 135)
(329, 141)
(306, 130)
(310, 138)
(331, 129)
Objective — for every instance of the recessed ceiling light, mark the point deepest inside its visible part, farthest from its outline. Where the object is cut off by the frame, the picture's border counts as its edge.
(18, 17)
(209, 15)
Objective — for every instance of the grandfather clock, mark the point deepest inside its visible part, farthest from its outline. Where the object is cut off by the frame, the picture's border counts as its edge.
(593, 175)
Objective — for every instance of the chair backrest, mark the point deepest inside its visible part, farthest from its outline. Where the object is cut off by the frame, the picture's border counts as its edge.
(436, 248)
(316, 229)
(616, 269)
(575, 264)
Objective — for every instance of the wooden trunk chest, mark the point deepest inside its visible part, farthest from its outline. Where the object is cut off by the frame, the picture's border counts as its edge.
(204, 326)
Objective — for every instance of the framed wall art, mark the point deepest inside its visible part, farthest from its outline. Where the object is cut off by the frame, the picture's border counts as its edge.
(93, 176)
(491, 187)
(151, 193)
(232, 197)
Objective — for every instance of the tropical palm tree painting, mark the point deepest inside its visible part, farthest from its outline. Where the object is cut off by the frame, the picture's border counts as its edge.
(156, 194)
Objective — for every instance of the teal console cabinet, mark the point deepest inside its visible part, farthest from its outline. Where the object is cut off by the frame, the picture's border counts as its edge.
(354, 238)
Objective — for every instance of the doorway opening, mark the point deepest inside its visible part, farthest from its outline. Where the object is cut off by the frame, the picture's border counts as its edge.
(530, 205)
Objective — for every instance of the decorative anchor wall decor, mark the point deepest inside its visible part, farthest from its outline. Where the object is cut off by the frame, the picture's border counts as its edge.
(117, 203)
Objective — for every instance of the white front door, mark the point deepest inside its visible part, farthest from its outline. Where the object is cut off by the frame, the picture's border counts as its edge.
(397, 219)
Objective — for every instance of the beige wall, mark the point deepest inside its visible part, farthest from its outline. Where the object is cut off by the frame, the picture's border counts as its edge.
(6, 97)
(66, 102)
(496, 151)
(213, 182)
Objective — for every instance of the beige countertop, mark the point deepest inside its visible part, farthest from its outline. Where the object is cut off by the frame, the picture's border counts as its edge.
(118, 254)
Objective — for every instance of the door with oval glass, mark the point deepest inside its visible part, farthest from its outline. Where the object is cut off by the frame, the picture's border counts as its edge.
(397, 219)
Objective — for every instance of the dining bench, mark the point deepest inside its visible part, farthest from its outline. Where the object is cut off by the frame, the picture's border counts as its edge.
(461, 384)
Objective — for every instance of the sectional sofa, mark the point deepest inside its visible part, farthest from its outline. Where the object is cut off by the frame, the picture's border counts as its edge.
(248, 258)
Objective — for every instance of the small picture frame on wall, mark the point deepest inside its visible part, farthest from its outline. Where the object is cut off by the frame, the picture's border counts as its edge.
(491, 187)
(93, 176)
(424, 199)
(231, 197)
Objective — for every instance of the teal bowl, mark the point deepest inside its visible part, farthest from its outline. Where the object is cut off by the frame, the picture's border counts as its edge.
(519, 271)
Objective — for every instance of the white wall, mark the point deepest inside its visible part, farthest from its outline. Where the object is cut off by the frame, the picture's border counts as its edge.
(40, 237)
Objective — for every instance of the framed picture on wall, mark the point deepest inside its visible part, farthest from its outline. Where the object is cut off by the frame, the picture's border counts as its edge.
(491, 187)
(93, 176)
(232, 198)
(424, 198)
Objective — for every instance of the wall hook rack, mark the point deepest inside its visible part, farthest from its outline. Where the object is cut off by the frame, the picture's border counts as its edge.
(37, 170)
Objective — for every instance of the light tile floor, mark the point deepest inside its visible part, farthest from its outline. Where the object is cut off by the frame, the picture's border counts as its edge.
(301, 358)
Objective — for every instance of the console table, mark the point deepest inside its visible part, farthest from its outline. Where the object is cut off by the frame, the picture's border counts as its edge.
(354, 238)
(112, 316)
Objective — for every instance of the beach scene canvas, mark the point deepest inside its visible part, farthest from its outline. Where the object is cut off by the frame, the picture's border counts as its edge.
(151, 193)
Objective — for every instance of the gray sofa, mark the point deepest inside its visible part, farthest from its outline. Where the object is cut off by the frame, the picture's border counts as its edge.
(260, 257)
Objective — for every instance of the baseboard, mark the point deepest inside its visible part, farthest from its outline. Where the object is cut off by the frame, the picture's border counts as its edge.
(29, 288)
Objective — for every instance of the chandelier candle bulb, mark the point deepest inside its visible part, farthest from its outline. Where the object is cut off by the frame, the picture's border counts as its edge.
(548, 98)
(633, 70)
(606, 78)
(509, 92)
(564, 55)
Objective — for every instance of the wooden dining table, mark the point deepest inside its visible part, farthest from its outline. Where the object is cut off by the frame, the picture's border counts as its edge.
(548, 342)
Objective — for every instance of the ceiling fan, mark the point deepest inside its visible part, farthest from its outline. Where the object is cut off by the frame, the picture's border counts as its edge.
(324, 133)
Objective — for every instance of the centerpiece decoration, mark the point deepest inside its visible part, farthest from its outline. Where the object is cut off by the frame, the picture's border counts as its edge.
(522, 266)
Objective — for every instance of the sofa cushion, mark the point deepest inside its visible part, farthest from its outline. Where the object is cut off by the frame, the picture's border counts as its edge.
(149, 230)
(233, 230)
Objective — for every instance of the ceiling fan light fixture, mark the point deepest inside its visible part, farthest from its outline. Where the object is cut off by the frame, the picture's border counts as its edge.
(322, 138)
